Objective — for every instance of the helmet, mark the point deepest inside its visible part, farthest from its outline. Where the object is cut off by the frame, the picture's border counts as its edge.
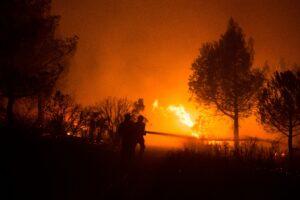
(140, 118)
(127, 116)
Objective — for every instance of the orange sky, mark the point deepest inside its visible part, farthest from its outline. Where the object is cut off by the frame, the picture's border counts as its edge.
(144, 48)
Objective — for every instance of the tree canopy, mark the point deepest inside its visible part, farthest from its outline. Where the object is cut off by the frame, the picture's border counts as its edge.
(32, 56)
(222, 75)
(279, 104)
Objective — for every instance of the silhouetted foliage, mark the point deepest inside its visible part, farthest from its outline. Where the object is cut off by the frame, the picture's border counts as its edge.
(222, 75)
(32, 57)
(279, 105)
(113, 109)
(63, 114)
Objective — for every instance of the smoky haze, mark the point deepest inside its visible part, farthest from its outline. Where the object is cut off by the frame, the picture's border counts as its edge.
(145, 48)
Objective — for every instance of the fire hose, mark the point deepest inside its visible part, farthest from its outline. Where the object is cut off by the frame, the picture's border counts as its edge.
(207, 139)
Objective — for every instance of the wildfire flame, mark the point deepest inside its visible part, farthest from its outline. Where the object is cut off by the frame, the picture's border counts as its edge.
(181, 113)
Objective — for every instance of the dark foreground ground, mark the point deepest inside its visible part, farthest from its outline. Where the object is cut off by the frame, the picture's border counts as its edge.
(68, 169)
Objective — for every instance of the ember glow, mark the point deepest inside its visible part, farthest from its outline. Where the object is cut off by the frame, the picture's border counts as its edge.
(155, 104)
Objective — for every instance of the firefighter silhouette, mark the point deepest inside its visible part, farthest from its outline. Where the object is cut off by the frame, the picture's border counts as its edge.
(140, 133)
(126, 131)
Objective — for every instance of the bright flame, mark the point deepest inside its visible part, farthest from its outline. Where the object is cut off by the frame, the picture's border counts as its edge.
(183, 116)
(155, 104)
(195, 134)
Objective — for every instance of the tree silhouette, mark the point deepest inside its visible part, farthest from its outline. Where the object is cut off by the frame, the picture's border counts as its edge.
(32, 57)
(58, 52)
(279, 105)
(222, 75)
(113, 109)
(63, 114)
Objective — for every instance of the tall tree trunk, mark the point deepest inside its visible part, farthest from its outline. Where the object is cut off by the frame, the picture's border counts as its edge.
(10, 110)
(236, 126)
(290, 142)
(40, 118)
(236, 130)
